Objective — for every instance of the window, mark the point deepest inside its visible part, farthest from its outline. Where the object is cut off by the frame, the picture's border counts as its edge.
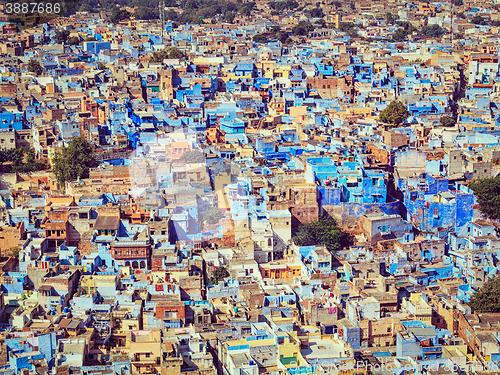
(170, 314)
(148, 355)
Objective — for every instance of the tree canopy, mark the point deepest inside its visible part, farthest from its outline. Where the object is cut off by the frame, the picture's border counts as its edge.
(478, 20)
(274, 34)
(391, 18)
(61, 36)
(218, 274)
(35, 66)
(405, 29)
(73, 40)
(212, 215)
(259, 38)
(317, 13)
(396, 113)
(487, 298)
(22, 159)
(487, 192)
(193, 156)
(169, 53)
(447, 121)
(433, 31)
(119, 15)
(399, 35)
(283, 5)
(326, 232)
(349, 28)
(302, 28)
(73, 162)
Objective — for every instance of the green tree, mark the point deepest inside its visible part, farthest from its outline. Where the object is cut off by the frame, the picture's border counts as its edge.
(487, 298)
(433, 31)
(478, 20)
(317, 13)
(218, 274)
(101, 66)
(259, 38)
(495, 23)
(90, 39)
(320, 23)
(22, 159)
(171, 15)
(73, 162)
(146, 13)
(400, 35)
(487, 192)
(118, 16)
(14, 252)
(169, 53)
(458, 3)
(447, 121)
(391, 18)
(35, 66)
(193, 156)
(73, 40)
(61, 36)
(283, 37)
(213, 214)
(394, 114)
(326, 232)
(302, 28)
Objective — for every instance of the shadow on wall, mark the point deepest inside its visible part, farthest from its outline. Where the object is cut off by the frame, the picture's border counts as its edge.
(7, 181)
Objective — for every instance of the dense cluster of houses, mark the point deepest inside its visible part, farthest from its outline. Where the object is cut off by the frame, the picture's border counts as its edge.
(176, 254)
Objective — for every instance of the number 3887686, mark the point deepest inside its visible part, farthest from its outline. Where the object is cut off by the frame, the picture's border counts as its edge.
(31, 8)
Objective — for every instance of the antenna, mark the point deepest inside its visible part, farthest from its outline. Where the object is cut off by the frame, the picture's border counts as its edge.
(161, 9)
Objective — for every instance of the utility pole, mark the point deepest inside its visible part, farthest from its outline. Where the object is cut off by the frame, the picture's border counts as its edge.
(161, 9)
(451, 12)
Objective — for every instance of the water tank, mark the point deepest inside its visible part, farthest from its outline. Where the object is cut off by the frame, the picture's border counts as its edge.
(131, 277)
(235, 309)
(65, 310)
(251, 362)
